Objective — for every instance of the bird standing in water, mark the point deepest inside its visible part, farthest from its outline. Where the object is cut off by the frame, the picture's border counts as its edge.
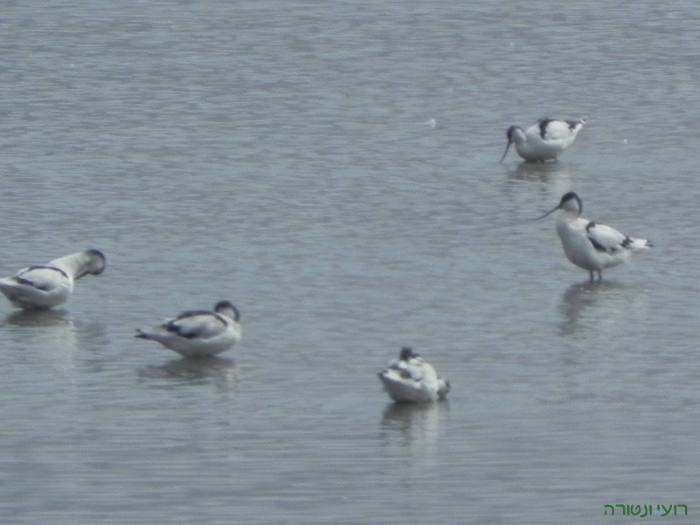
(589, 245)
(198, 333)
(47, 285)
(545, 140)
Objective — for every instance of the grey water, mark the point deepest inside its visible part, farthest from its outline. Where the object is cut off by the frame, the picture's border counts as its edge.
(332, 168)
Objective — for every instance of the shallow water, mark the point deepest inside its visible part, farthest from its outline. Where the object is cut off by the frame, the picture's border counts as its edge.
(332, 169)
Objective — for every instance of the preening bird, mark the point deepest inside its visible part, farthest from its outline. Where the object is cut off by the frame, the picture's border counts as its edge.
(411, 378)
(198, 333)
(44, 286)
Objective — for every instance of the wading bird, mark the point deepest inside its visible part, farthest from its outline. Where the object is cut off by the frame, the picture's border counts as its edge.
(589, 245)
(545, 140)
(198, 333)
(44, 286)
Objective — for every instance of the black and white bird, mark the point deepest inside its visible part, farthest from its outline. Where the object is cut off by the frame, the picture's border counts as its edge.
(589, 245)
(198, 333)
(44, 286)
(411, 378)
(544, 140)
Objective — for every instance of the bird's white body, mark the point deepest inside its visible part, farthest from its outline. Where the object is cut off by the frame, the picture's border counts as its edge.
(589, 245)
(198, 333)
(545, 140)
(45, 286)
(411, 378)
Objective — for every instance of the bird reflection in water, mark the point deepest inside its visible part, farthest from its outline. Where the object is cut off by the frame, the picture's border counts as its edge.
(414, 425)
(218, 371)
(39, 318)
(52, 334)
(543, 172)
(599, 305)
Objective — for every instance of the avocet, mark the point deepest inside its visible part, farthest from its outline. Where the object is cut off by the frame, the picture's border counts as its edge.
(44, 286)
(589, 245)
(198, 333)
(545, 140)
(411, 378)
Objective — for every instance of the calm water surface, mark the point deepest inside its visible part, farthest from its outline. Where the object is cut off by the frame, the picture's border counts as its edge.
(332, 169)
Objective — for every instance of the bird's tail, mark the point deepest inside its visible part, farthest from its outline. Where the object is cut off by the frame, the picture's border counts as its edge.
(576, 125)
(141, 334)
(639, 244)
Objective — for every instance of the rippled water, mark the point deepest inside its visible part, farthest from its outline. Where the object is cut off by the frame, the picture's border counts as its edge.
(332, 168)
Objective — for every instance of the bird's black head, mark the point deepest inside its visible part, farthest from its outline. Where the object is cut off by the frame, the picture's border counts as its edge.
(228, 309)
(406, 354)
(509, 135)
(571, 196)
(566, 204)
